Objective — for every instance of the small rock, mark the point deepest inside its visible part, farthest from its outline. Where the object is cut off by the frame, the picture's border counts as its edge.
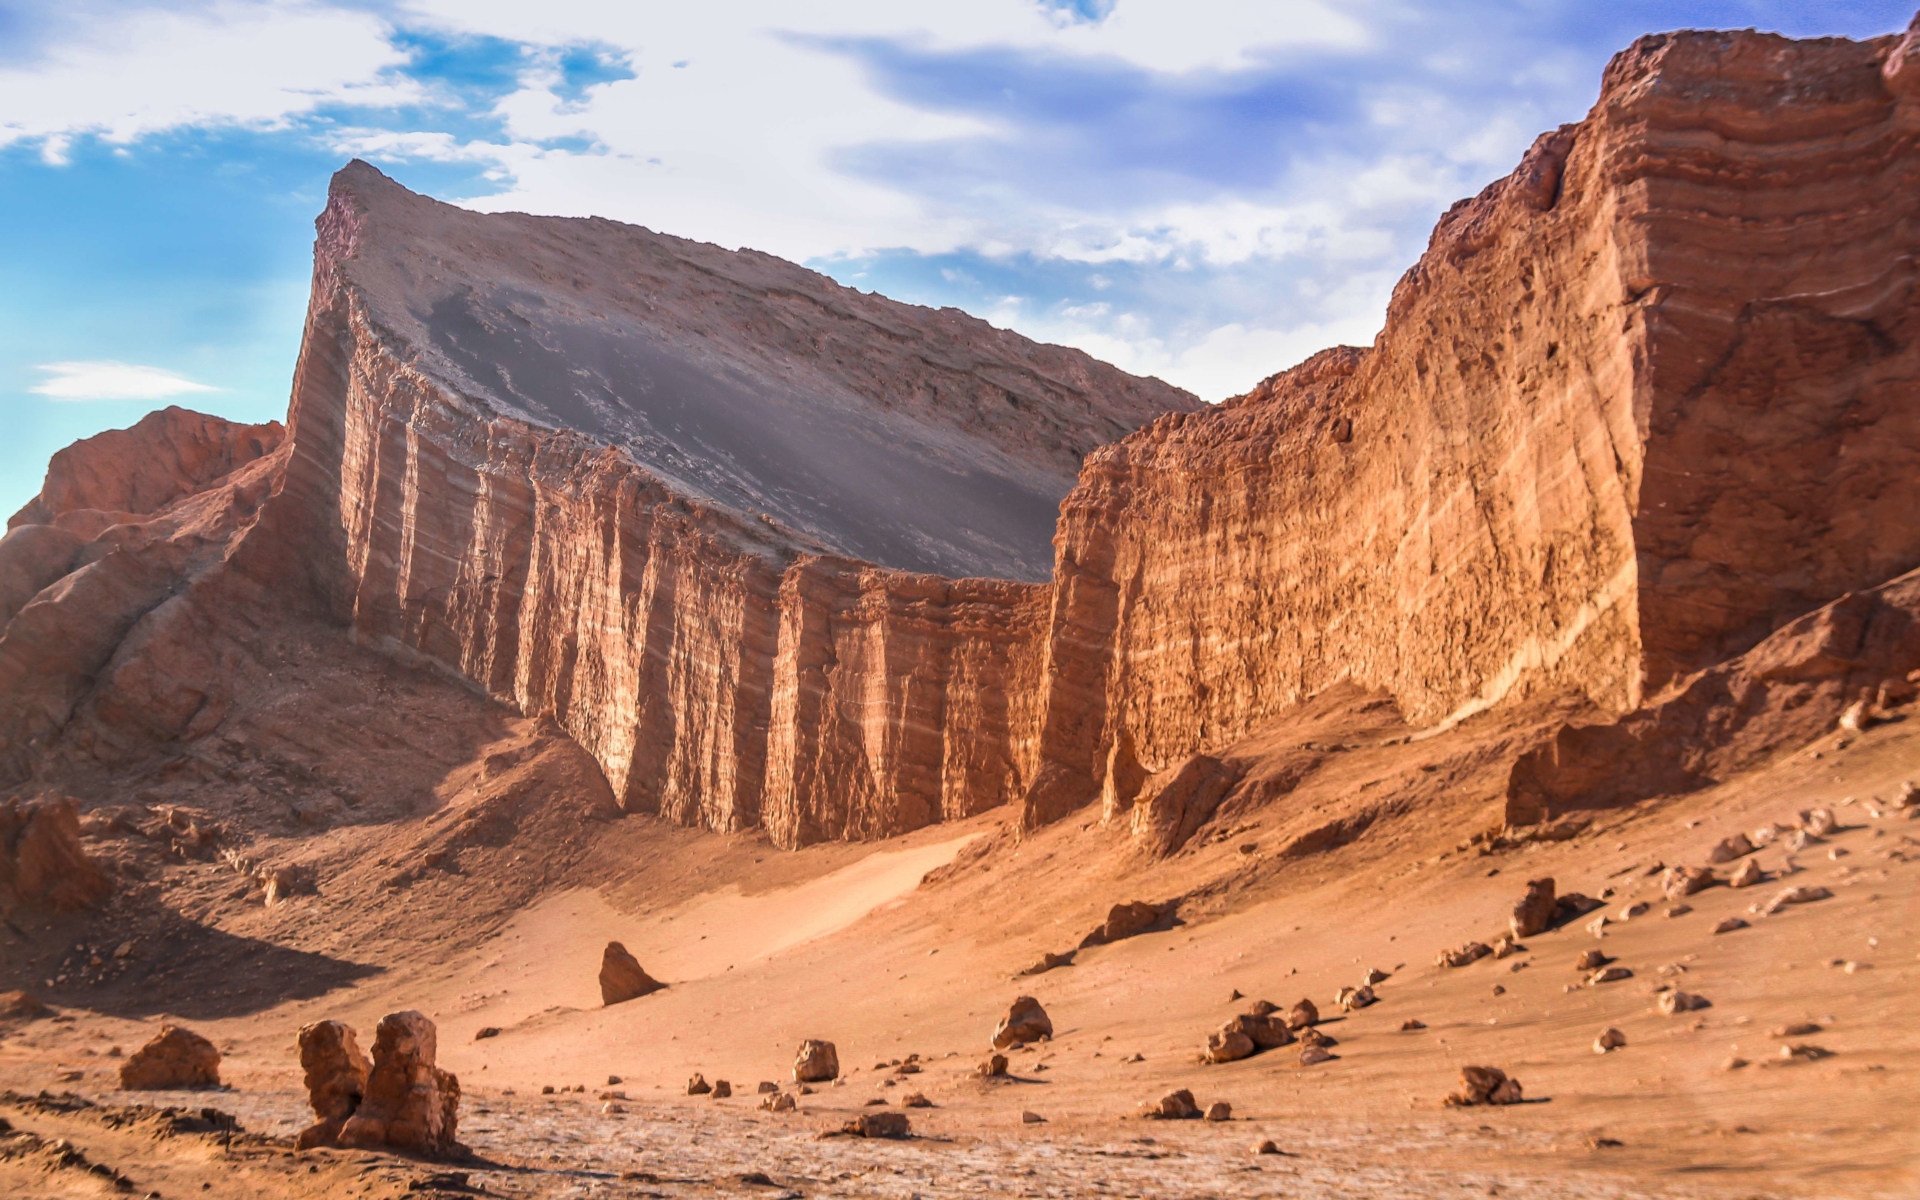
(1311, 1054)
(611, 1109)
(1817, 822)
(1747, 874)
(1681, 881)
(1350, 999)
(1638, 908)
(485, 1032)
(1267, 1146)
(1795, 1029)
(992, 1067)
(621, 978)
(1411, 1024)
(1609, 975)
(1032, 1118)
(1485, 1085)
(1729, 848)
(1228, 1045)
(1679, 910)
(879, 1125)
(1235, 996)
(722, 1090)
(1857, 717)
(1374, 975)
(1174, 1106)
(778, 1102)
(1591, 960)
(1609, 1040)
(1534, 912)
(1804, 1052)
(767, 1087)
(915, 1100)
(1675, 1002)
(1303, 1015)
(1263, 1008)
(1804, 894)
(1461, 956)
(1854, 968)
(698, 1085)
(1219, 1110)
(1734, 1063)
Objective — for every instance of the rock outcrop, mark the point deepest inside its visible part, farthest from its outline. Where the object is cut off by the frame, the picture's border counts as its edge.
(42, 863)
(1639, 404)
(621, 976)
(411, 1105)
(175, 1058)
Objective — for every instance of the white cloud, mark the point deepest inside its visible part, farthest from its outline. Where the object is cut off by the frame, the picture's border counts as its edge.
(122, 75)
(106, 380)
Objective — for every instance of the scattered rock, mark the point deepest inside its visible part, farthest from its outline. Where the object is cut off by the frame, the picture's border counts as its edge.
(767, 1087)
(1485, 1085)
(1461, 956)
(1638, 908)
(1049, 961)
(1314, 1037)
(1573, 905)
(1857, 717)
(1729, 924)
(1728, 849)
(1795, 1029)
(1598, 926)
(485, 1032)
(1374, 975)
(994, 1066)
(915, 1100)
(1734, 1063)
(1174, 1106)
(722, 1090)
(1267, 1146)
(1805, 1052)
(1411, 1024)
(1303, 1015)
(1263, 1008)
(1674, 1002)
(411, 1105)
(879, 1125)
(1678, 910)
(1817, 822)
(1534, 913)
(1609, 1040)
(778, 1102)
(1312, 1054)
(1219, 1110)
(1591, 960)
(336, 1072)
(698, 1085)
(175, 1058)
(1228, 1045)
(621, 978)
(1609, 975)
(816, 1062)
(1685, 881)
(1804, 894)
(1025, 1022)
(1747, 874)
(612, 1109)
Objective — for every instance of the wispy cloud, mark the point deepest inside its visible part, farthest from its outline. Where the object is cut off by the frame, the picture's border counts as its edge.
(107, 380)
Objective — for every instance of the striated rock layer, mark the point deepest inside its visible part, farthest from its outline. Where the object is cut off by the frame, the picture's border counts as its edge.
(1640, 403)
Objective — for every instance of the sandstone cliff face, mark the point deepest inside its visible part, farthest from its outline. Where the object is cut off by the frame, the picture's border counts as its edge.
(1639, 404)
(647, 527)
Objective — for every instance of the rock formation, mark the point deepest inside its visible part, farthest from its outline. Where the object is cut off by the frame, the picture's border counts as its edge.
(175, 1058)
(621, 977)
(336, 1073)
(42, 863)
(411, 1105)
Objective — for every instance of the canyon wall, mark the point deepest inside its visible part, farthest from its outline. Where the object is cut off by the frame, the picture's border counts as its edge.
(1638, 405)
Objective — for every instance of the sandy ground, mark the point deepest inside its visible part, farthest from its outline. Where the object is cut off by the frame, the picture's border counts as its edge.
(858, 950)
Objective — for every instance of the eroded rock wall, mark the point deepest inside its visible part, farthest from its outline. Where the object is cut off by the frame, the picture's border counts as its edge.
(1639, 404)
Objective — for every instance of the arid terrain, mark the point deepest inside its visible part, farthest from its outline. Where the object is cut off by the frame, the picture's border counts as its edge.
(1533, 690)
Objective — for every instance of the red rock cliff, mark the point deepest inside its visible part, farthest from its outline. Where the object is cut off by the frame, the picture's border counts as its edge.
(1640, 403)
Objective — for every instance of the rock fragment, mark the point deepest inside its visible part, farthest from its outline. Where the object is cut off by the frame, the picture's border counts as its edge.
(698, 1085)
(1174, 1106)
(1795, 1029)
(1591, 960)
(1729, 848)
(767, 1087)
(915, 1100)
(175, 1058)
(1313, 1054)
(1266, 1146)
(1676, 1002)
(1124, 921)
(1817, 822)
(879, 1125)
(1303, 1015)
(1747, 874)
(1485, 1085)
(1610, 1039)
(336, 1072)
(1219, 1110)
(778, 1102)
(994, 1066)
(1609, 975)
(1681, 881)
(1228, 1045)
(722, 1090)
(1803, 894)
(1534, 912)
(1460, 956)
(1729, 924)
(621, 978)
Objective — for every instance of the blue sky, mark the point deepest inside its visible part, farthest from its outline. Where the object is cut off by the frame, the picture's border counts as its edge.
(1206, 190)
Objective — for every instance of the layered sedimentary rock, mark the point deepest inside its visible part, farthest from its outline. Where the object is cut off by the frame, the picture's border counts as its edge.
(684, 500)
(1639, 404)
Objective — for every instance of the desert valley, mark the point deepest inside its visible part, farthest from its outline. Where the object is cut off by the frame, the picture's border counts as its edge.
(656, 722)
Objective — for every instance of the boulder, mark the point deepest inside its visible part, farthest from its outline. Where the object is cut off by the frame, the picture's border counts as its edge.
(698, 1085)
(1263, 1008)
(175, 1058)
(778, 1102)
(1747, 874)
(411, 1104)
(915, 1100)
(1303, 1015)
(1310, 1055)
(1609, 975)
(1609, 1041)
(1124, 921)
(1730, 848)
(1174, 1106)
(42, 864)
(1573, 905)
(767, 1087)
(336, 1072)
(1534, 912)
(994, 1066)
(1485, 1085)
(1228, 1045)
(621, 978)
(816, 1062)
(1025, 1022)
(1591, 960)
(722, 1090)
(1219, 1110)
(879, 1125)
(1351, 999)
(1266, 1030)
